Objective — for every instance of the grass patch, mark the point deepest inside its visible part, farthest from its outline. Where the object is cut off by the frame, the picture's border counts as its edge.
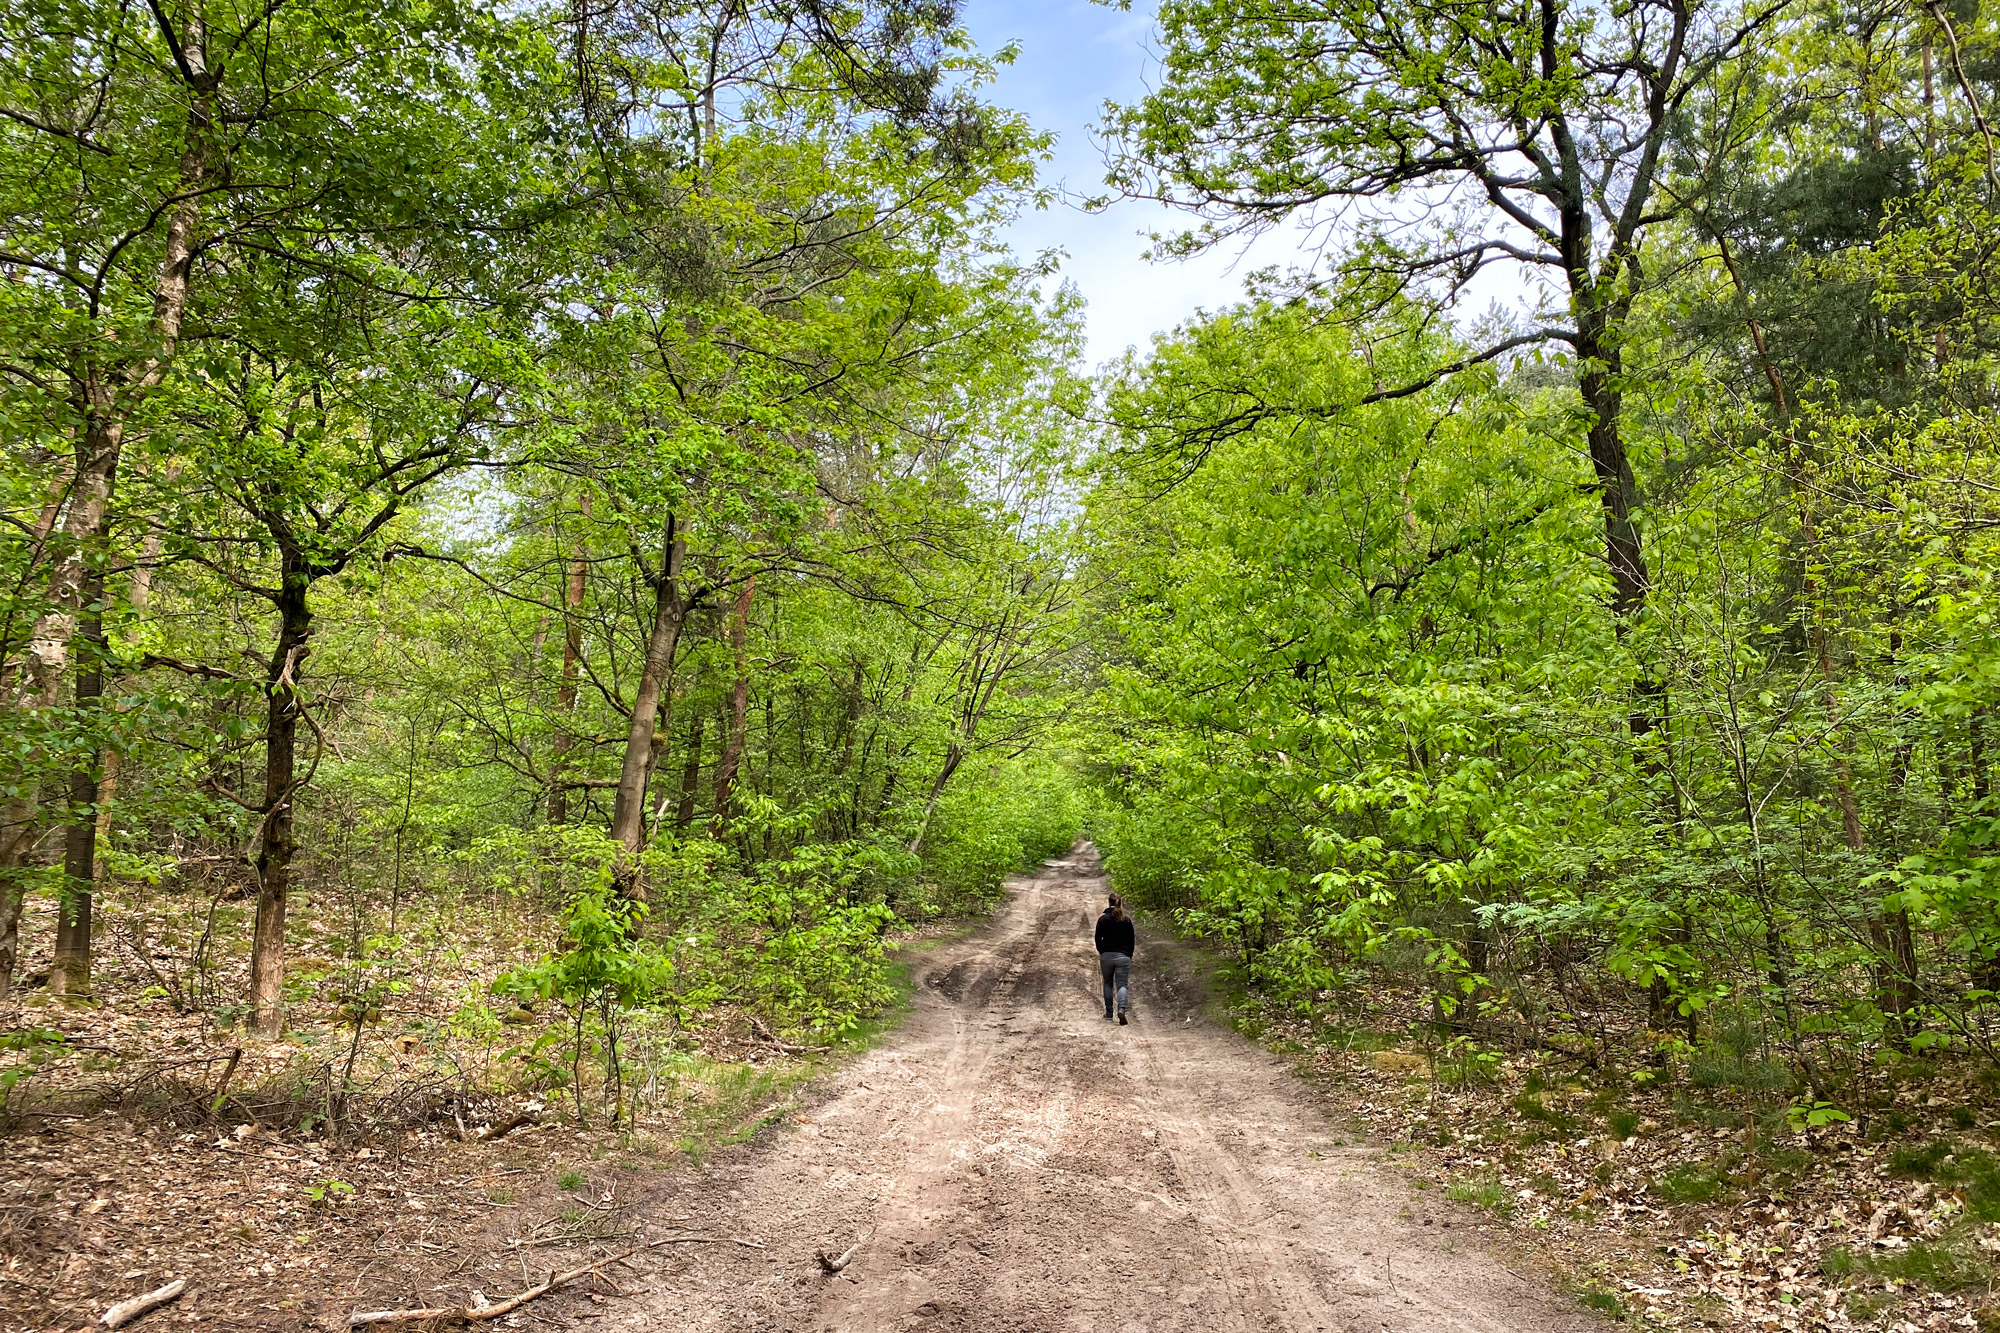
(1945, 1265)
(1601, 1299)
(1975, 1171)
(1624, 1124)
(1482, 1192)
(572, 1180)
(1530, 1107)
(1919, 1161)
(1691, 1182)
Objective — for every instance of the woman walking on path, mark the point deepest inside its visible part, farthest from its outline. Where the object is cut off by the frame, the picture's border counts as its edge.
(1115, 941)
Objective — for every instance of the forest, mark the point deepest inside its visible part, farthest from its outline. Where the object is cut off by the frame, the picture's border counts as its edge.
(549, 548)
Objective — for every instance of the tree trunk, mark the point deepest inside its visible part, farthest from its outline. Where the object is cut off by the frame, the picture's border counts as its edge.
(690, 775)
(70, 972)
(739, 711)
(850, 730)
(45, 665)
(953, 757)
(628, 814)
(283, 708)
(106, 401)
(572, 665)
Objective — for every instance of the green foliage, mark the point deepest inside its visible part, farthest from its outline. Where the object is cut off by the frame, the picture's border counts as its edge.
(27, 1052)
(603, 968)
(1935, 1265)
(1601, 1299)
(1808, 1114)
(1692, 1182)
(1481, 1192)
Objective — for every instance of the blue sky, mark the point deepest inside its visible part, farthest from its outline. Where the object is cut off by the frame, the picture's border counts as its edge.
(1075, 55)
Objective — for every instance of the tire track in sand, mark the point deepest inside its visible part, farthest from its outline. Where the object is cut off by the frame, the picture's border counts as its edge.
(1009, 1161)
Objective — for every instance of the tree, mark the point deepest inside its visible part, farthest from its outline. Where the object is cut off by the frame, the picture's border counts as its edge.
(154, 166)
(1546, 135)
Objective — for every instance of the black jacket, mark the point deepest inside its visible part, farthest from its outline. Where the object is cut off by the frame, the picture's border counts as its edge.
(1115, 936)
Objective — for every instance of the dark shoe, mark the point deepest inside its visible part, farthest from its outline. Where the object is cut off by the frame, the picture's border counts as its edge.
(1121, 1019)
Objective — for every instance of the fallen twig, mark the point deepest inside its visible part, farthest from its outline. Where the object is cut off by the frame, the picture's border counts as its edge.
(125, 1312)
(488, 1133)
(478, 1313)
(835, 1265)
(782, 1045)
(222, 1084)
(571, 1239)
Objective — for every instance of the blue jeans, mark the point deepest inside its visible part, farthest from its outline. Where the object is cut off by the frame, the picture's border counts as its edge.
(1117, 969)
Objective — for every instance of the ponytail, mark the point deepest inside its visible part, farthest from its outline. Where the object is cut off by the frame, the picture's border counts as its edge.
(1117, 908)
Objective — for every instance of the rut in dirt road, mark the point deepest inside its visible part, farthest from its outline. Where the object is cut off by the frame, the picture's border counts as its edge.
(1009, 1160)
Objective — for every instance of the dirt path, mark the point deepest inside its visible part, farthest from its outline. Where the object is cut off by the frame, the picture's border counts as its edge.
(1008, 1160)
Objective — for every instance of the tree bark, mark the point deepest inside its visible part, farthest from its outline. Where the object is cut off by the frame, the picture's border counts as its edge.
(628, 815)
(739, 711)
(106, 399)
(69, 973)
(284, 706)
(572, 665)
(690, 775)
(953, 757)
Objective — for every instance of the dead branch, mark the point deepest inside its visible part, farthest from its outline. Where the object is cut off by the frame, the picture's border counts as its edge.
(565, 1239)
(487, 1133)
(784, 1046)
(222, 1084)
(125, 1312)
(478, 1313)
(832, 1266)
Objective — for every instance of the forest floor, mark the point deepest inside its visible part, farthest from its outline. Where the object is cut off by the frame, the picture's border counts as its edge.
(1004, 1159)
(1697, 1201)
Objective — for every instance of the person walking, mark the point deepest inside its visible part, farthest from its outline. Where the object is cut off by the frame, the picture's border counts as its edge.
(1116, 940)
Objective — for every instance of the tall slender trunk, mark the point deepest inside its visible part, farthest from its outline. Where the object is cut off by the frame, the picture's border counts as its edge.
(656, 753)
(953, 757)
(70, 970)
(690, 775)
(110, 764)
(628, 813)
(283, 708)
(739, 711)
(45, 665)
(572, 666)
(105, 399)
(850, 731)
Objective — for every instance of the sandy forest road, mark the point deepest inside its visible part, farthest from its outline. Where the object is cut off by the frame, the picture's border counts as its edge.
(1008, 1160)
